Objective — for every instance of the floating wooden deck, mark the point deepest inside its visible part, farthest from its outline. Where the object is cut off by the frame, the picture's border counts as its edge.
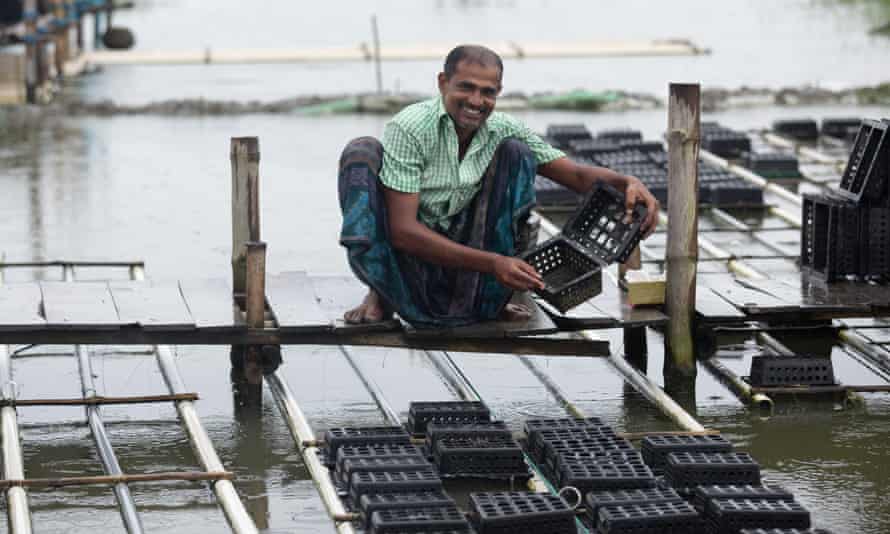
(301, 309)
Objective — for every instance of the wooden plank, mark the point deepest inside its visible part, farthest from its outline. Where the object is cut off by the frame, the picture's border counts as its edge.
(151, 304)
(210, 303)
(841, 296)
(583, 317)
(711, 307)
(20, 306)
(294, 304)
(337, 294)
(751, 301)
(538, 324)
(79, 304)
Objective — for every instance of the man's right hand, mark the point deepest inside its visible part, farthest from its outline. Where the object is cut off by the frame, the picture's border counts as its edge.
(517, 274)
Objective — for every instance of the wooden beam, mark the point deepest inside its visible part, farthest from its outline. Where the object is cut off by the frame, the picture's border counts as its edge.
(682, 243)
(245, 158)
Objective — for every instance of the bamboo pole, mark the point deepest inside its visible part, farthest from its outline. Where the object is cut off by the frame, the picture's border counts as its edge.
(17, 509)
(245, 158)
(98, 400)
(111, 480)
(682, 243)
(377, 68)
(256, 307)
(59, 45)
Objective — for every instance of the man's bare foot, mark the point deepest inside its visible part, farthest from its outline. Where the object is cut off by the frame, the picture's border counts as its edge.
(515, 312)
(371, 310)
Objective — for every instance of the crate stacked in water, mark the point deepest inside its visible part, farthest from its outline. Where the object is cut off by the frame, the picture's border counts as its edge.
(848, 233)
(735, 508)
(724, 142)
(390, 481)
(796, 370)
(624, 151)
(512, 512)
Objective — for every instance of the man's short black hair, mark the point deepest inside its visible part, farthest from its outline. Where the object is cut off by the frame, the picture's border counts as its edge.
(474, 54)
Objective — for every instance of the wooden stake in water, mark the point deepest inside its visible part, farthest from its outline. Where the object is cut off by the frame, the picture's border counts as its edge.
(377, 69)
(245, 157)
(682, 244)
(255, 307)
(32, 68)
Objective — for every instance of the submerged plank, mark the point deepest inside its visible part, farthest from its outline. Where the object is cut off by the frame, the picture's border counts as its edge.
(712, 308)
(151, 304)
(537, 324)
(750, 300)
(337, 294)
(20, 306)
(294, 304)
(210, 303)
(79, 304)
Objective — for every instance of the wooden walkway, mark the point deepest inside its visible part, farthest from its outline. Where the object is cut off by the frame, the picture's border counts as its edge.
(301, 309)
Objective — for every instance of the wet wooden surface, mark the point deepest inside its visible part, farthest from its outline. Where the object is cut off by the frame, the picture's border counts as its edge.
(210, 303)
(81, 304)
(151, 305)
(337, 294)
(609, 309)
(293, 301)
(20, 306)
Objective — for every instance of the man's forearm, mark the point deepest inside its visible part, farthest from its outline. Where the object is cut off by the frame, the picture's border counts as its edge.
(420, 241)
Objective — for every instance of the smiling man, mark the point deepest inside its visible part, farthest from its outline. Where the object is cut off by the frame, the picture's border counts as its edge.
(432, 216)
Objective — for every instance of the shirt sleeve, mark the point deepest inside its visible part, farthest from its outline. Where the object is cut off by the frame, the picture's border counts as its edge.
(402, 160)
(542, 150)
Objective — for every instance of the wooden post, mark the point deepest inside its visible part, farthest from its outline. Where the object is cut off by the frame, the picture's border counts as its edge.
(256, 284)
(377, 68)
(31, 66)
(635, 346)
(60, 48)
(682, 243)
(245, 156)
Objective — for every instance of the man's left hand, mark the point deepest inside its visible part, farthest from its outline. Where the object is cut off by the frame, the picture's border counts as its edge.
(635, 191)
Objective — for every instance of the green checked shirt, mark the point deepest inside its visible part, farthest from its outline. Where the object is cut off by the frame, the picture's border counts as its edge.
(420, 156)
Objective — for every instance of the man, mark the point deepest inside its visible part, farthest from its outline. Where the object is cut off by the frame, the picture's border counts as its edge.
(431, 216)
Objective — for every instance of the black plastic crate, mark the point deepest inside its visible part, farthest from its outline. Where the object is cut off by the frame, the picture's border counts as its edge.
(431, 519)
(550, 193)
(493, 429)
(649, 518)
(597, 457)
(562, 134)
(770, 370)
(350, 466)
(830, 237)
(570, 275)
(866, 173)
(426, 479)
(539, 434)
(459, 412)
(383, 450)
(624, 156)
(335, 438)
(593, 147)
(597, 499)
(732, 515)
(517, 512)
(690, 469)
(874, 241)
(774, 164)
(726, 143)
(532, 426)
(703, 494)
(480, 456)
(647, 147)
(841, 128)
(620, 134)
(659, 158)
(641, 170)
(800, 129)
(601, 445)
(784, 531)
(734, 192)
(583, 474)
(656, 448)
(372, 502)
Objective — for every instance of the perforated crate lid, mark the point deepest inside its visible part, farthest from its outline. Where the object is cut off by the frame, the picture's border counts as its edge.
(598, 226)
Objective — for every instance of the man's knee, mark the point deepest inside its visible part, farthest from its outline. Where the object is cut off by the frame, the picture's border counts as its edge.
(513, 148)
(366, 149)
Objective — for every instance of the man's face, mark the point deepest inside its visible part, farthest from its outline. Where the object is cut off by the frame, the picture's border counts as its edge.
(470, 94)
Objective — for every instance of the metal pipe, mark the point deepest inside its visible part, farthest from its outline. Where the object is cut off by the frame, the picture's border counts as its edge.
(807, 152)
(458, 383)
(17, 510)
(641, 382)
(302, 433)
(738, 386)
(878, 358)
(129, 515)
(391, 416)
(741, 226)
(552, 387)
(237, 516)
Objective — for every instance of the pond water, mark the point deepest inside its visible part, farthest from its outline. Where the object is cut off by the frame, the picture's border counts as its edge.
(157, 188)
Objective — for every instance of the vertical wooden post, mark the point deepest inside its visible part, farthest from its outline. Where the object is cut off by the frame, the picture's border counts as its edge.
(60, 48)
(78, 39)
(377, 68)
(635, 345)
(245, 156)
(682, 243)
(31, 60)
(256, 307)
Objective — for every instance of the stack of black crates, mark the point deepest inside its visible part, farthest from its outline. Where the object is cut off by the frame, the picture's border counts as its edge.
(847, 233)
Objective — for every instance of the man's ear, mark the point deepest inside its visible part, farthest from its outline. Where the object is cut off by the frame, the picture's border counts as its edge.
(442, 82)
